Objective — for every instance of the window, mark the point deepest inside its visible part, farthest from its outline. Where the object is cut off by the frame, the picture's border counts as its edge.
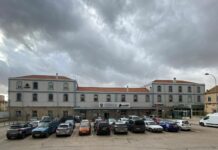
(189, 89)
(199, 89)
(50, 85)
(82, 98)
(180, 89)
(50, 97)
(199, 99)
(35, 85)
(135, 98)
(35, 97)
(108, 98)
(159, 88)
(170, 89)
(65, 113)
(65, 86)
(147, 98)
(180, 98)
(170, 98)
(50, 113)
(123, 98)
(95, 98)
(209, 99)
(18, 113)
(34, 113)
(159, 98)
(65, 98)
(19, 85)
(19, 97)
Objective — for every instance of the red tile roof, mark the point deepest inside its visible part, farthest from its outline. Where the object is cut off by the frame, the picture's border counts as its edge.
(44, 77)
(171, 81)
(212, 90)
(112, 89)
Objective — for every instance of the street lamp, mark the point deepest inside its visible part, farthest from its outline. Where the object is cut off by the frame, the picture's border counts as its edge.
(215, 84)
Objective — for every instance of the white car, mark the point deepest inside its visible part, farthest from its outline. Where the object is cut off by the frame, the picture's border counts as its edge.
(125, 120)
(183, 125)
(152, 126)
(111, 121)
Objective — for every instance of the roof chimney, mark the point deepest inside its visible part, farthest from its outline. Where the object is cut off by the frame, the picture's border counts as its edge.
(174, 80)
(127, 88)
(56, 75)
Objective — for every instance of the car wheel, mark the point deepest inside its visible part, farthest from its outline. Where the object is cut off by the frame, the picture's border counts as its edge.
(22, 135)
(46, 135)
(201, 124)
(8, 137)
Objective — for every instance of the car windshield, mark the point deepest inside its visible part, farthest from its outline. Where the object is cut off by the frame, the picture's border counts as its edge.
(84, 125)
(185, 122)
(16, 126)
(139, 122)
(151, 123)
(63, 126)
(43, 124)
(112, 120)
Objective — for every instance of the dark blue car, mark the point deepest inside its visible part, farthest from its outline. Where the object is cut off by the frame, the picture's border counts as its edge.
(19, 131)
(44, 129)
(169, 126)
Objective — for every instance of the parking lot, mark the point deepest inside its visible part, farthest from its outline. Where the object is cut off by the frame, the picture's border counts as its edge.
(200, 138)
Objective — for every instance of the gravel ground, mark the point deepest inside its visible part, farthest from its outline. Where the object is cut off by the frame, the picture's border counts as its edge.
(200, 138)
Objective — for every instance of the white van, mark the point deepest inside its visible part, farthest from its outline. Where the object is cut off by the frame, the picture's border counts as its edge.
(209, 120)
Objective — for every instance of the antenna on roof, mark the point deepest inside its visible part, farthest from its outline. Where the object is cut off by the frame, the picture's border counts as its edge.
(56, 75)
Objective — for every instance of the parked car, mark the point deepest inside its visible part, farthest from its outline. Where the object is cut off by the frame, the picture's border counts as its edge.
(64, 129)
(111, 121)
(169, 125)
(34, 123)
(84, 128)
(134, 117)
(19, 131)
(96, 123)
(77, 119)
(125, 120)
(209, 120)
(184, 125)
(153, 127)
(136, 126)
(146, 118)
(44, 129)
(120, 127)
(103, 127)
(72, 122)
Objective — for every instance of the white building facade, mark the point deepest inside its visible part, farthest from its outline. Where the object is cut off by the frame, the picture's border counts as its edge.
(57, 96)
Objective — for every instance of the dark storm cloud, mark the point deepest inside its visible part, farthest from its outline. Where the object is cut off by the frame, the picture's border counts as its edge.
(114, 42)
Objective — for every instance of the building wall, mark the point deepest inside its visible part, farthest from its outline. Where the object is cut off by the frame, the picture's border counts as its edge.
(210, 106)
(115, 97)
(27, 112)
(188, 98)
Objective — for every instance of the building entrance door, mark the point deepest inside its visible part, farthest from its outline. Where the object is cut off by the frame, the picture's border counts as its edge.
(106, 115)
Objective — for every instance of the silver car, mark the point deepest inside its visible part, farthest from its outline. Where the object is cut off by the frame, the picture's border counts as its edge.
(64, 129)
(152, 126)
(183, 125)
(120, 127)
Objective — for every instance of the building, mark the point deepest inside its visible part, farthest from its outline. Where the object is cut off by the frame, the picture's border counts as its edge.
(112, 102)
(178, 98)
(3, 103)
(210, 102)
(39, 95)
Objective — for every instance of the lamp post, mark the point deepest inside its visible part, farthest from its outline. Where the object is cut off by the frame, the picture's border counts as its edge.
(215, 85)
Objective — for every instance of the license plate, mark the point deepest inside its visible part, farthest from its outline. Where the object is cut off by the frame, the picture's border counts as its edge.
(37, 134)
(137, 128)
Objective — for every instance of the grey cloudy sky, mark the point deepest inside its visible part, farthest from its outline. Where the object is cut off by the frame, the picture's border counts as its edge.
(109, 42)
